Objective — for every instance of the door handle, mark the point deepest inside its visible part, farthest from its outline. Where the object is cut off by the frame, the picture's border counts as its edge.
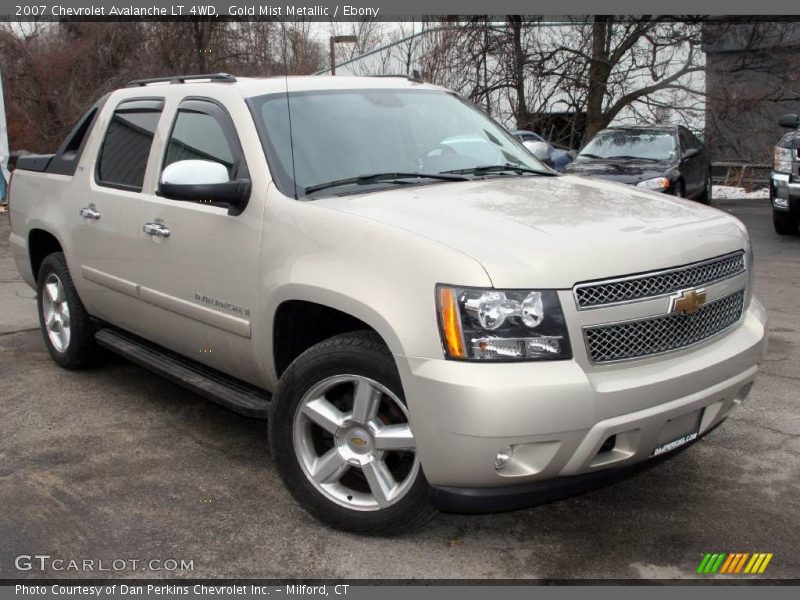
(89, 212)
(156, 229)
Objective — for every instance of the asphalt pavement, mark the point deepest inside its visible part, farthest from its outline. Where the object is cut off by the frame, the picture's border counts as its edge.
(116, 464)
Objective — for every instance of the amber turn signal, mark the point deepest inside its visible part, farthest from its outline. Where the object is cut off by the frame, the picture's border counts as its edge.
(450, 323)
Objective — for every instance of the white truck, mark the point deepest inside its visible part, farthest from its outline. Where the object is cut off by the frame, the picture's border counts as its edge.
(427, 316)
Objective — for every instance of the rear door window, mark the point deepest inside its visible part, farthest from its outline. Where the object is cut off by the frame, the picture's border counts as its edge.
(123, 157)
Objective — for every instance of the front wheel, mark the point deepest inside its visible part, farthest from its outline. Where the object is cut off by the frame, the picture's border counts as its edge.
(342, 441)
(785, 223)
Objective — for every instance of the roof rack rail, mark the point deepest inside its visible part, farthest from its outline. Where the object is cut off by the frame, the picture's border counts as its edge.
(414, 76)
(214, 77)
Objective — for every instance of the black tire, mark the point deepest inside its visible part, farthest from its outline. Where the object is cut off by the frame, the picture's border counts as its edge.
(80, 351)
(785, 223)
(705, 195)
(361, 354)
(680, 189)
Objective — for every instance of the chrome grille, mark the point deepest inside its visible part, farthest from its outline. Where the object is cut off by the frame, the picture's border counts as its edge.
(660, 283)
(637, 339)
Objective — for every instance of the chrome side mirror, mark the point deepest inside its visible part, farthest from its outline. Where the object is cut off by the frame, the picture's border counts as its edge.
(204, 181)
(194, 172)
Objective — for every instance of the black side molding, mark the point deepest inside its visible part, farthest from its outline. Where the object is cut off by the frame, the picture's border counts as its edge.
(236, 395)
(34, 162)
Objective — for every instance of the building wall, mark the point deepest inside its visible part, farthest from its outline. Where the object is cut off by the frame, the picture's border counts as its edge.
(752, 78)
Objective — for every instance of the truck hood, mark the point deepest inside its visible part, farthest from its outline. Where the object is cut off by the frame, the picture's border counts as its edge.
(552, 232)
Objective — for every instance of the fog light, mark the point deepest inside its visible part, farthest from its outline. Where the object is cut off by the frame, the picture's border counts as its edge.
(781, 202)
(502, 458)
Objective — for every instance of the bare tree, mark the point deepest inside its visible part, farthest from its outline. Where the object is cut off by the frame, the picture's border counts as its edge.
(599, 69)
(621, 51)
(54, 71)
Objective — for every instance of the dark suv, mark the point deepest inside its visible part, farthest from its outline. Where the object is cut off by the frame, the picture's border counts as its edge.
(784, 188)
(661, 158)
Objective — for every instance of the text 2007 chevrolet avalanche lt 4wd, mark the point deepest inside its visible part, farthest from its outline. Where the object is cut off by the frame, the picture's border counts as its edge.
(428, 317)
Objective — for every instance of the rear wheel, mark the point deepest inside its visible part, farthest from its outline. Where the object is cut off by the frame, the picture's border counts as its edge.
(785, 222)
(65, 324)
(342, 441)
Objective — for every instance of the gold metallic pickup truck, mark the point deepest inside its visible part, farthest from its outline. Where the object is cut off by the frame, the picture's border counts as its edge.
(427, 316)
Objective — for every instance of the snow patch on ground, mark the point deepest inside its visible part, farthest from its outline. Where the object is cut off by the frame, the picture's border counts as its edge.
(727, 192)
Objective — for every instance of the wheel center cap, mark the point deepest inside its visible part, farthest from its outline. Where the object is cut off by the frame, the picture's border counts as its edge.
(355, 443)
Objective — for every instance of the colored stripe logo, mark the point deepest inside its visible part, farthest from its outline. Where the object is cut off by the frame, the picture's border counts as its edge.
(736, 563)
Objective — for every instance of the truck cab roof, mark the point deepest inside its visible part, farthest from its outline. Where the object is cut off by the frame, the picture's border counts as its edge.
(248, 87)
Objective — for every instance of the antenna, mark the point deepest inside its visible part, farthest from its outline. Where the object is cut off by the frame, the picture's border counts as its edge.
(291, 134)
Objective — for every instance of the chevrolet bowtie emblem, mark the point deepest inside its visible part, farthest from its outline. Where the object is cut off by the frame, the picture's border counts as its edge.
(687, 302)
(358, 441)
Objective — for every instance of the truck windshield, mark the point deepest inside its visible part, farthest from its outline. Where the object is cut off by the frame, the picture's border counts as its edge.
(348, 141)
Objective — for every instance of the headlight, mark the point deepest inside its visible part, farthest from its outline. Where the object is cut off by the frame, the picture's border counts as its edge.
(783, 160)
(658, 184)
(488, 324)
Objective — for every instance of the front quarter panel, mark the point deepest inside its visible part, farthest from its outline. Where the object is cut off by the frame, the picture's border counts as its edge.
(377, 273)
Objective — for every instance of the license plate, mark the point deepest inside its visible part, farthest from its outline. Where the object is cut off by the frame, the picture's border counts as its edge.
(675, 444)
(678, 432)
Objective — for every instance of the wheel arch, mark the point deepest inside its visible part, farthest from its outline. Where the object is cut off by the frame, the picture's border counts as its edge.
(41, 243)
(304, 320)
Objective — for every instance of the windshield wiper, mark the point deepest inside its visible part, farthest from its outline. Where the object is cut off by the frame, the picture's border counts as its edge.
(587, 155)
(498, 168)
(397, 177)
(631, 157)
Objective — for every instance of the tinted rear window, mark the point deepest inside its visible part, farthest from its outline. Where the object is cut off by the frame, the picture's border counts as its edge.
(126, 148)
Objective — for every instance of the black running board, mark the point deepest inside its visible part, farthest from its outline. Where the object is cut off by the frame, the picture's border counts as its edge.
(238, 396)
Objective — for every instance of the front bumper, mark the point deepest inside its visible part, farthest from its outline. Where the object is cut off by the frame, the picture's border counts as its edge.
(498, 499)
(558, 416)
(784, 193)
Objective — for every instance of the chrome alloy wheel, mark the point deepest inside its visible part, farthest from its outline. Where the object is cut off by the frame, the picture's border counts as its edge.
(56, 312)
(354, 443)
